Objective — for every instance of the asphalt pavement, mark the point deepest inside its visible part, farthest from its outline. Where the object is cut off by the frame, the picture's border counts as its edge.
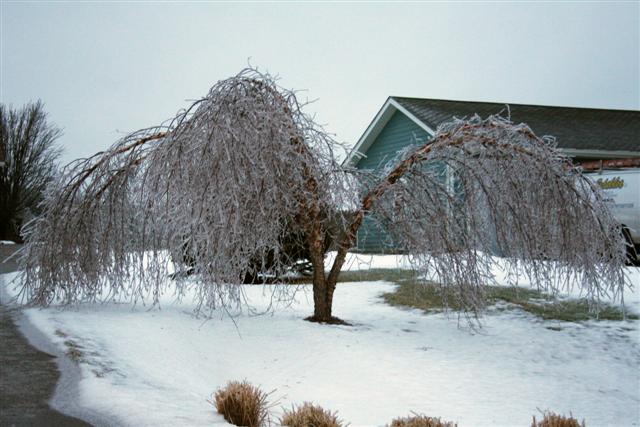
(28, 376)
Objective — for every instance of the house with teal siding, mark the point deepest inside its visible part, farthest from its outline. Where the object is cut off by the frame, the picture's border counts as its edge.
(585, 134)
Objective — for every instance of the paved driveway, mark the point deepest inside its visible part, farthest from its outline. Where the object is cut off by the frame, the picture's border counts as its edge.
(27, 376)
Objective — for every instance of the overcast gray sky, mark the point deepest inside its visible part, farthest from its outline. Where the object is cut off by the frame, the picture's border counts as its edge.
(104, 69)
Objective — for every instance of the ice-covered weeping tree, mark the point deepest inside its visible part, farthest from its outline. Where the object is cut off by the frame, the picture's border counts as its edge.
(228, 181)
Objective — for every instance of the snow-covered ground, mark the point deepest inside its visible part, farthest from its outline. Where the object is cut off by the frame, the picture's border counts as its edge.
(159, 367)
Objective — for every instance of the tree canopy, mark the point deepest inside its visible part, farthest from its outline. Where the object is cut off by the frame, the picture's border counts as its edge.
(230, 177)
(28, 156)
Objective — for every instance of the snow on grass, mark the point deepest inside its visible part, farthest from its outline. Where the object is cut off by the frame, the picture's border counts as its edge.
(355, 261)
(159, 367)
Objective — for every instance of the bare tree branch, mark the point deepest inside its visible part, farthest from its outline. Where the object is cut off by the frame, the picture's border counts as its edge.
(226, 181)
(488, 185)
(28, 155)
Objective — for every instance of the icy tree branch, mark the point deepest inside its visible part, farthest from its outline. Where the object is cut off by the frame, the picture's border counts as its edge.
(220, 190)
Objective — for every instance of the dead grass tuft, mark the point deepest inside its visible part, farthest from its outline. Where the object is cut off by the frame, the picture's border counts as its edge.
(421, 421)
(310, 415)
(554, 420)
(74, 351)
(242, 404)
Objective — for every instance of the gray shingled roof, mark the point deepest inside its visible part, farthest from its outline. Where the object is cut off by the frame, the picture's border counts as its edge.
(574, 128)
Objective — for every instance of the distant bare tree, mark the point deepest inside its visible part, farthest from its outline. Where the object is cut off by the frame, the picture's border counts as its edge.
(227, 180)
(28, 155)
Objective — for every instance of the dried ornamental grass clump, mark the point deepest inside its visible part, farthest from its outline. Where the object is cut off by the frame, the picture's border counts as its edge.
(421, 421)
(554, 420)
(310, 415)
(242, 404)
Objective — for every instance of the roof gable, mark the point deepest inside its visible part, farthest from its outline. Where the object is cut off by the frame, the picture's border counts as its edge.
(390, 107)
(399, 132)
(586, 132)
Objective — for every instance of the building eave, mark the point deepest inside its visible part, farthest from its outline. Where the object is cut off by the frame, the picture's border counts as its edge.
(375, 127)
(600, 154)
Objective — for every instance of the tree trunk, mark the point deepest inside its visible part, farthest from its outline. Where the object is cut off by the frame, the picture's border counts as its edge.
(322, 287)
(322, 291)
(321, 307)
(323, 300)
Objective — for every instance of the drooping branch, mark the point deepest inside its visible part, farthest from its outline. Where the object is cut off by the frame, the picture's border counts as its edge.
(89, 220)
(222, 186)
(489, 186)
(222, 189)
(349, 238)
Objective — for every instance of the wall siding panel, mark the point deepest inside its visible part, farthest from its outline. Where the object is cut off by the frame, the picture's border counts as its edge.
(399, 132)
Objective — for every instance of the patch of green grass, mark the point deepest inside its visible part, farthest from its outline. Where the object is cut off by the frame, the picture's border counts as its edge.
(574, 310)
(424, 296)
(430, 297)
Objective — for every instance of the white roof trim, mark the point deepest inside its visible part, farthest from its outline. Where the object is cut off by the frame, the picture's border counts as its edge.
(417, 121)
(376, 126)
